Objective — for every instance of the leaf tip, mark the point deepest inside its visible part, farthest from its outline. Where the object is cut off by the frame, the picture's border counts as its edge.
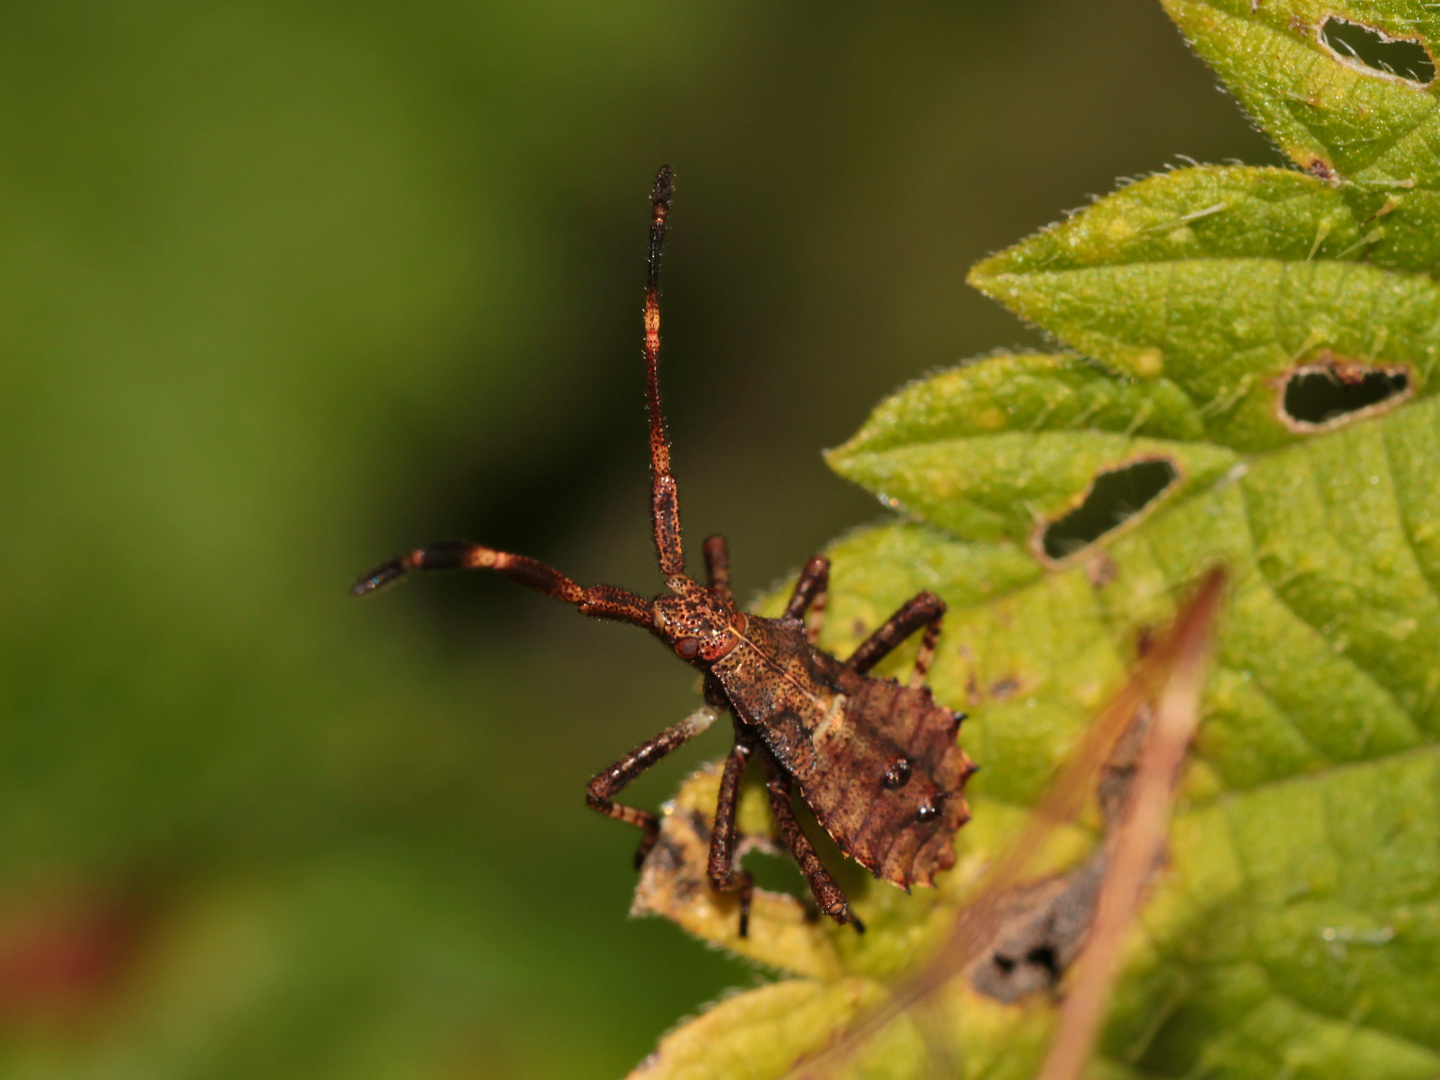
(983, 274)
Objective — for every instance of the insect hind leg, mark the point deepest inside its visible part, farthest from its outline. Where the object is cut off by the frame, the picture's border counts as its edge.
(827, 894)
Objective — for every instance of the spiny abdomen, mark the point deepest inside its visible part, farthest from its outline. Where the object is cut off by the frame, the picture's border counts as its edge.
(887, 780)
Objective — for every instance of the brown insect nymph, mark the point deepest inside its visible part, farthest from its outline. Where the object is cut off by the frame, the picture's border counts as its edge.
(876, 761)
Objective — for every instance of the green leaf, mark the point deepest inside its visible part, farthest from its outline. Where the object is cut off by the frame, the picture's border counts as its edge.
(1306, 864)
(1340, 119)
(1032, 452)
(1296, 929)
(1169, 277)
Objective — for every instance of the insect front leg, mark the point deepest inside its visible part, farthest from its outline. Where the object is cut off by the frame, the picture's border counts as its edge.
(827, 894)
(810, 594)
(725, 875)
(925, 609)
(614, 779)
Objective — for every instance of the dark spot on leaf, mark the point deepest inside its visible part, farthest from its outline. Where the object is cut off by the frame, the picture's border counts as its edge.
(1041, 935)
(1101, 569)
(665, 857)
(972, 689)
(1318, 395)
(1320, 169)
(1360, 46)
(1144, 640)
(1117, 774)
(701, 824)
(1004, 689)
(1114, 498)
(1045, 958)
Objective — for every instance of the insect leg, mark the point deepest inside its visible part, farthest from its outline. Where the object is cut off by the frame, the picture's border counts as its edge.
(717, 566)
(725, 876)
(664, 495)
(827, 894)
(601, 601)
(810, 593)
(614, 779)
(925, 609)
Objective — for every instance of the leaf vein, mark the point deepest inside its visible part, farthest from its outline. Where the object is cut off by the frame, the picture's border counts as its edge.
(1345, 657)
(1422, 568)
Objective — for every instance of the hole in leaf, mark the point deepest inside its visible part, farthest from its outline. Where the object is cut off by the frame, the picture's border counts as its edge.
(1318, 395)
(1114, 498)
(1365, 47)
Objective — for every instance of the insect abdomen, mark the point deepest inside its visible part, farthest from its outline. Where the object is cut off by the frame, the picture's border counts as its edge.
(888, 780)
(875, 761)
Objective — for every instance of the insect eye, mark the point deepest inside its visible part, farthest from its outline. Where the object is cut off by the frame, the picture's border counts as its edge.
(687, 648)
(927, 812)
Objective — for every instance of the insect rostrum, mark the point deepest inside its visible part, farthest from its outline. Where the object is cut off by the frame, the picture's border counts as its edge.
(876, 761)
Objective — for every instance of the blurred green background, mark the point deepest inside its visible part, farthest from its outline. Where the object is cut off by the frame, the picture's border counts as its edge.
(288, 288)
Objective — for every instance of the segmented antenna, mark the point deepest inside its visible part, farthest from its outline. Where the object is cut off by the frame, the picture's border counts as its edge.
(665, 497)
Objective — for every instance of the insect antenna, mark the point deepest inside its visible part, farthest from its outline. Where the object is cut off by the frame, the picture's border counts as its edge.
(599, 601)
(664, 497)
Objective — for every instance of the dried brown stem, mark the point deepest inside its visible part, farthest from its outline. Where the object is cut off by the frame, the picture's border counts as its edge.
(1139, 842)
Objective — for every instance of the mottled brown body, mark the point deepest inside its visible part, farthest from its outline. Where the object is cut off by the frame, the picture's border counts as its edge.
(875, 760)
